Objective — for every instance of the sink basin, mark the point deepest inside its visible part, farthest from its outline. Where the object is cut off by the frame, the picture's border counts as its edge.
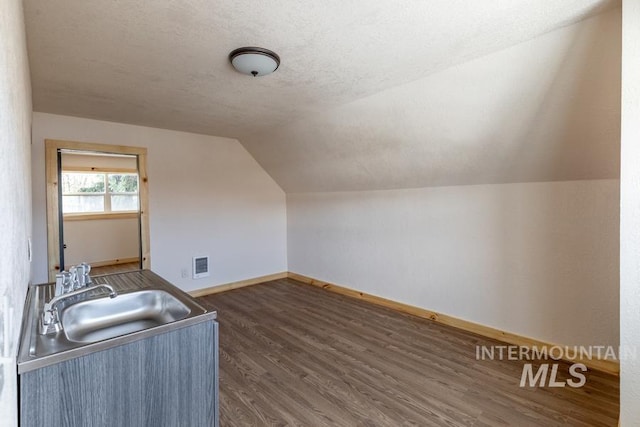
(146, 306)
(104, 318)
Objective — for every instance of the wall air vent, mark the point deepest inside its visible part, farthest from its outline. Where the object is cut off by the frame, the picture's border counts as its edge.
(200, 266)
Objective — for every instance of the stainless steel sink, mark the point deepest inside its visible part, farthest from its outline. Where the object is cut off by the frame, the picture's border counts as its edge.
(146, 306)
(104, 318)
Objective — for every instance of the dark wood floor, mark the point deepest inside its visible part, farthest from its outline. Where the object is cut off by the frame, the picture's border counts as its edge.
(291, 354)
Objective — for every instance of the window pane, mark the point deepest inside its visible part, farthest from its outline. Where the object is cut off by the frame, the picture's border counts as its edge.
(123, 183)
(81, 204)
(124, 202)
(82, 182)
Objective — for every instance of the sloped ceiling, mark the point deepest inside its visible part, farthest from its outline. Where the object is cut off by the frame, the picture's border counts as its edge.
(369, 95)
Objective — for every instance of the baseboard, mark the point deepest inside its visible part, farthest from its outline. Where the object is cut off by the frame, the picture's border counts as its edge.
(114, 262)
(235, 285)
(608, 366)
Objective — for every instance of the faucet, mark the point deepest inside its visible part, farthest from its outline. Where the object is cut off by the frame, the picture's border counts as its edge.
(76, 278)
(50, 322)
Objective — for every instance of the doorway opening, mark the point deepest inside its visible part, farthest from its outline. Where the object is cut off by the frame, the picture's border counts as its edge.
(97, 207)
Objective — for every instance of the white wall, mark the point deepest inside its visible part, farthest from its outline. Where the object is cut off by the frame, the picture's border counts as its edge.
(536, 259)
(15, 196)
(630, 214)
(207, 196)
(99, 240)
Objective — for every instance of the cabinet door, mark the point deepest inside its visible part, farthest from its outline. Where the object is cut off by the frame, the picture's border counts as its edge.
(166, 380)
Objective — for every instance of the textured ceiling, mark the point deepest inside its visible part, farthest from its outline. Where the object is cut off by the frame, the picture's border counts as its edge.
(369, 95)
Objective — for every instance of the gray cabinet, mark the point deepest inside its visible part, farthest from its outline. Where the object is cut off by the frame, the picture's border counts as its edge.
(168, 380)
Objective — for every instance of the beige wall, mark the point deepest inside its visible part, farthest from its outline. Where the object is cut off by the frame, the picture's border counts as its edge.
(207, 196)
(536, 259)
(630, 215)
(100, 240)
(15, 196)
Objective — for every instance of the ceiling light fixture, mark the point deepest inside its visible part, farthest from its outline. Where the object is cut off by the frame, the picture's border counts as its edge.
(254, 61)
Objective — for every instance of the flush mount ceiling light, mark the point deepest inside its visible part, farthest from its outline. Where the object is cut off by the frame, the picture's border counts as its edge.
(254, 61)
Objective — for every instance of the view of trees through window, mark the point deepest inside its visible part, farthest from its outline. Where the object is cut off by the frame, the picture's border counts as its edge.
(99, 192)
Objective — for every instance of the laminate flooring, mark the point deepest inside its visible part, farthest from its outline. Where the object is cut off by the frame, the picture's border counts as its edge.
(117, 268)
(292, 354)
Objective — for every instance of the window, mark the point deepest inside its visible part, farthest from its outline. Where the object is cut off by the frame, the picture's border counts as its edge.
(104, 192)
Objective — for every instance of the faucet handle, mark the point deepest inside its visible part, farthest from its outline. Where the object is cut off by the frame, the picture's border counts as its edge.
(60, 284)
(63, 283)
(83, 274)
(73, 271)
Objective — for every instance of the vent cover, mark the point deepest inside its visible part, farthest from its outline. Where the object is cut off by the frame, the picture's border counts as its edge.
(200, 266)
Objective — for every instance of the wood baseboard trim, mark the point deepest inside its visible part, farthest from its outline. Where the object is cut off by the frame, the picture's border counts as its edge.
(114, 262)
(235, 285)
(603, 365)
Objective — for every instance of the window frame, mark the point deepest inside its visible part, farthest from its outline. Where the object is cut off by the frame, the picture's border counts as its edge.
(106, 213)
(52, 149)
